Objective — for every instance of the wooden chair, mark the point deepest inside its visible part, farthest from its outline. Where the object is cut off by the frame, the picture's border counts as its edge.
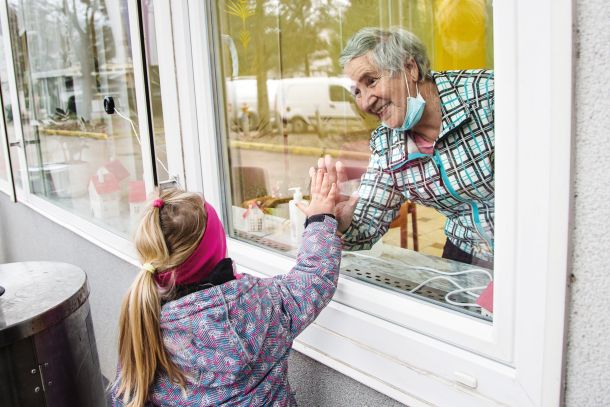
(248, 183)
(402, 221)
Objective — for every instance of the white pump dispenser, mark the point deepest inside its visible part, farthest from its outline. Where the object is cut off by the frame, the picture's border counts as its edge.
(297, 217)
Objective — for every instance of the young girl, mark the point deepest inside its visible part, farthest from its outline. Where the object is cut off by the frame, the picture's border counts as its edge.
(195, 333)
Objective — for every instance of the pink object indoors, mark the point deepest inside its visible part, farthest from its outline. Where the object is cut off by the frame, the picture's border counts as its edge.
(486, 299)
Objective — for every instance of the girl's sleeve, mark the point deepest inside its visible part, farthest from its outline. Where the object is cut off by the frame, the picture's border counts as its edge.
(310, 285)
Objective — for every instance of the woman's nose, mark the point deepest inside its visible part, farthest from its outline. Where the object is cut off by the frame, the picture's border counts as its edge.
(367, 101)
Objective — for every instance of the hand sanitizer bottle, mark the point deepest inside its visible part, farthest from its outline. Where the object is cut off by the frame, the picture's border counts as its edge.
(297, 217)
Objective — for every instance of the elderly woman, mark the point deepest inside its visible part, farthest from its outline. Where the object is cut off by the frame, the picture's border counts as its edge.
(435, 144)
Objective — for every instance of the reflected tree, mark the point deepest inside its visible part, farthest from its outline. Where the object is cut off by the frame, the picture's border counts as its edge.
(83, 29)
(302, 27)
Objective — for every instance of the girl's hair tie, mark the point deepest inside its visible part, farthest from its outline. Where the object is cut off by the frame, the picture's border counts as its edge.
(158, 203)
(149, 267)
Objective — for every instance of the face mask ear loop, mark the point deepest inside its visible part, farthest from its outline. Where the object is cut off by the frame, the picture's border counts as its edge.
(404, 75)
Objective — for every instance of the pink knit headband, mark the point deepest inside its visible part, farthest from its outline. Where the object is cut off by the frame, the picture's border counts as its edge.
(211, 250)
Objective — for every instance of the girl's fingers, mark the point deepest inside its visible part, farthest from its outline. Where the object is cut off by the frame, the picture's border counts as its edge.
(332, 193)
(319, 178)
(325, 187)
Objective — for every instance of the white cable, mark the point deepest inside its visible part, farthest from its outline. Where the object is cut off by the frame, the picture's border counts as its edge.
(446, 279)
(460, 288)
(463, 304)
(443, 276)
(135, 132)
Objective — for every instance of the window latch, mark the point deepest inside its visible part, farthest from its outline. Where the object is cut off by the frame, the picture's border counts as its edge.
(170, 183)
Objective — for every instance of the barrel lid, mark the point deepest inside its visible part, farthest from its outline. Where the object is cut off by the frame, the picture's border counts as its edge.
(38, 295)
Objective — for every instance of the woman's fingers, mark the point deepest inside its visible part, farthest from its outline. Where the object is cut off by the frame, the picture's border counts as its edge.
(330, 168)
(341, 172)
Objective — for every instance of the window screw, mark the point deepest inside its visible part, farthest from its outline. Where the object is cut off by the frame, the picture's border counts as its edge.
(36, 389)
(33, 371)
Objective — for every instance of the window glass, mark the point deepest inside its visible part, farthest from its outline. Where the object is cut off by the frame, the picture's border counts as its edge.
(288, 101)
(8, 120)
(69, 56)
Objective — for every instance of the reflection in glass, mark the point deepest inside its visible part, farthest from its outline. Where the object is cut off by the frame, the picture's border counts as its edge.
(68, 57)
(287, 102)
(8, 120)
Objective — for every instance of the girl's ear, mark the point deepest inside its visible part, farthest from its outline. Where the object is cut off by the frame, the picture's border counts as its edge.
(412, 70)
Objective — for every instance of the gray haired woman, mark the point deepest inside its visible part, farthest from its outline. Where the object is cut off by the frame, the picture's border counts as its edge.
(435, 144)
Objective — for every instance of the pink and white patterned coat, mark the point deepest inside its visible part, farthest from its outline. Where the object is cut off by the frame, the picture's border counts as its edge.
(233, 340)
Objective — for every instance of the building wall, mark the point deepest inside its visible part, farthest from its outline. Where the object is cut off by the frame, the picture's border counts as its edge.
(588, 352)
(25, 235)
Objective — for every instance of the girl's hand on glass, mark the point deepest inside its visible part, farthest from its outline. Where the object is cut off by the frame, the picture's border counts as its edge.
(345, 204)
(323, 194)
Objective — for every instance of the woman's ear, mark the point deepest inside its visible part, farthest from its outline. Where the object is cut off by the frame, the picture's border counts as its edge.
(412, 70)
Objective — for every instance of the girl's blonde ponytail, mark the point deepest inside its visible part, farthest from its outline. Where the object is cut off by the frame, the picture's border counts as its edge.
(140, 343)
(165, 238)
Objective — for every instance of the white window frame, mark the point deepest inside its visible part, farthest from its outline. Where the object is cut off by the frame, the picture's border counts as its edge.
(6, 185)
(418, 353)
(118, 245)
(14, 99)
(181, 122)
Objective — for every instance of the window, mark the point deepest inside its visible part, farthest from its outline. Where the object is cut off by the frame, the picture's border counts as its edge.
(69, 57)
(409, 349)
(6, 173)
(287, 102)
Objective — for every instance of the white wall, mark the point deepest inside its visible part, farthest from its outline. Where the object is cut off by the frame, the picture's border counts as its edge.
(588, 356)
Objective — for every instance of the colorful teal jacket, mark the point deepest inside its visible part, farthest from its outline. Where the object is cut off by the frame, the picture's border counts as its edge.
(457, 178)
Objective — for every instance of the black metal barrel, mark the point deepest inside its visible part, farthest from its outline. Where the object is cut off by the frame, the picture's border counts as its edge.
(48, 355)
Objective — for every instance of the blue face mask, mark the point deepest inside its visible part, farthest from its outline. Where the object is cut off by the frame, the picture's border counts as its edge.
(415, 109)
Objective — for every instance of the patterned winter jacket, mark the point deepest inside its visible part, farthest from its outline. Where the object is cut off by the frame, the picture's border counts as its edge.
(457, 178)
(233, 340)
